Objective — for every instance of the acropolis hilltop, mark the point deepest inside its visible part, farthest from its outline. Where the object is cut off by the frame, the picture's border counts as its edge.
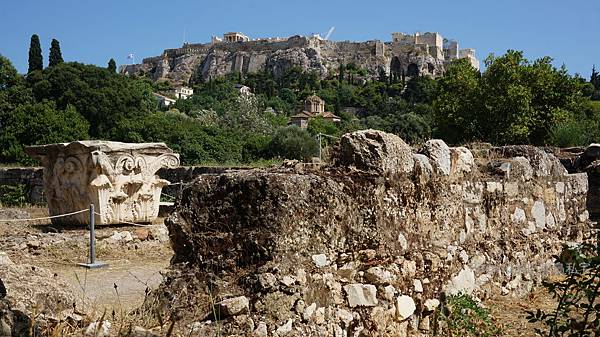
(406, 55)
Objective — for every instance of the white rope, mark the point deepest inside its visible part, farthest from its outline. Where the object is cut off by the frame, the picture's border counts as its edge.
(46, 217)
(130, 223)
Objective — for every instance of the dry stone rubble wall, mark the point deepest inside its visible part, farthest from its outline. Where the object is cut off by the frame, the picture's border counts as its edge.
(370, 243)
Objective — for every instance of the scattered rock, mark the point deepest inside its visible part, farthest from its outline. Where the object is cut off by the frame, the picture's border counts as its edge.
(234, 306)
(402, 241)
(267, 281)
(138, 331)
(405, 307)
(320, 260)
(141, 234)
(464, 282)
(379, 275)
(363, 295)
(159, 233)
(431, 304)
(4, 259)
(418, 286)
(261, 330)
(98, 329)
(285, 329)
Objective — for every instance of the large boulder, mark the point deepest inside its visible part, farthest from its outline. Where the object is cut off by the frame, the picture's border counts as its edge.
(376, 151)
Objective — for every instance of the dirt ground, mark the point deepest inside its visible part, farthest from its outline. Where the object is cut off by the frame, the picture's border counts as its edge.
(134, 261)
(135, 264)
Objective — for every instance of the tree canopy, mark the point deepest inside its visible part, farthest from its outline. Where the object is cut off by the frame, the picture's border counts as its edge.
(36, 61)
(55, 56)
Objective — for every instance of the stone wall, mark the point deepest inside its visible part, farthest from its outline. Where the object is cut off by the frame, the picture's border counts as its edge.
(368, 245)
(30, 177)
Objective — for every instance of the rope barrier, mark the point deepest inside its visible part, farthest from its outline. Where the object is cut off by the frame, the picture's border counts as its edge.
(46, 217)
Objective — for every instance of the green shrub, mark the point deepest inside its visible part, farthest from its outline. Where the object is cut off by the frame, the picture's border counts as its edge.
(293, 143)
(461, 315)
(569, 133)
(13, 195)
(577, 294)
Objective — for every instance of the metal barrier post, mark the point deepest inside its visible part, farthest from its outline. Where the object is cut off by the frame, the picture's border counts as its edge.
(92, 258)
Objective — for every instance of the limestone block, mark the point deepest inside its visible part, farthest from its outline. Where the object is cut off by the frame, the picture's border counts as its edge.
(580, 183)
(234, 306)
(538, 213)
(463, 283)
(373, 150)
(363, 295)
(118, 178)
(462, 160)
(439, 154)
(422, 165)
(379, 275)
(431, 304)
(405, 307)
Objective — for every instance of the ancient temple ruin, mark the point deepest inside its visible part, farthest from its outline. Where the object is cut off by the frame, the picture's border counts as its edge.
(118, 178)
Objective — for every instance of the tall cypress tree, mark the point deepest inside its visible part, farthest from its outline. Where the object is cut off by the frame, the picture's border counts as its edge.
(112, 66)
(36, 62)
(55, 56)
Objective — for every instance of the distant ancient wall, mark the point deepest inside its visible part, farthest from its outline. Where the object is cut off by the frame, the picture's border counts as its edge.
(30, 177)
(367, 246)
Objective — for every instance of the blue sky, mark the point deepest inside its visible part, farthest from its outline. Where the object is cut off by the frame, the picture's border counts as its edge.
(95, 31)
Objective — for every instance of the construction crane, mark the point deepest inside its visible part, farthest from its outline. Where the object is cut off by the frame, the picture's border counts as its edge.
(329, 33)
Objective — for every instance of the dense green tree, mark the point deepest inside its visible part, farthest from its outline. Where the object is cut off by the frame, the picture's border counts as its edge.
(112, 66)
(36, 61)
(55, 56)
(421, 89)
(101, 97)
(38, 123)
(8, 73)
(457, 103)
(293, 143)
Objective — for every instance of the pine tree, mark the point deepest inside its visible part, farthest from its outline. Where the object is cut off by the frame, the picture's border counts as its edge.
(36, 62)
(55, 54)
(112, 66)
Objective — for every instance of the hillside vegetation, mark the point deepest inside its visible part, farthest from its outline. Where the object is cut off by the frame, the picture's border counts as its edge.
(514, 101)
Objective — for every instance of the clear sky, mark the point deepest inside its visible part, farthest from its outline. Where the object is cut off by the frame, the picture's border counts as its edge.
(95, 31)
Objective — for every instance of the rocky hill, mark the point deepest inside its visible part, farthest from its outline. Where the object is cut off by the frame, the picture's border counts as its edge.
(407, 55)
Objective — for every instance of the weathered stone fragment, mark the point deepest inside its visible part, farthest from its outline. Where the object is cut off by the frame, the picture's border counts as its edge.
(439, 155)
(361, 295)
(376, 151)
(405, 307)
(234, 306)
